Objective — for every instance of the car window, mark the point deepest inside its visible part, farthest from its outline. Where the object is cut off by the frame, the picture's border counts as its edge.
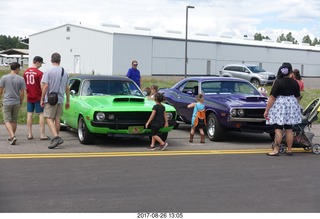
(74, 85)
(245, 88)
(188, 87)
(211, 87)
(228, 87)
(256, 69)
(109, 87)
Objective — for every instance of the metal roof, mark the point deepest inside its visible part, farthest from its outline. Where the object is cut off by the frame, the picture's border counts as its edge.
(100, 77)
(177, 35)
(15, 52)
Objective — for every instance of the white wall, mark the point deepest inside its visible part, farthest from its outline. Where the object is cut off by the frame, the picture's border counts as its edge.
(131, 47)
(94, 48)
(111, 53)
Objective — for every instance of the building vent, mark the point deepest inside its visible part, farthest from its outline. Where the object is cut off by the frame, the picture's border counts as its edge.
(142, 28)
(110, 25)
(174, 31)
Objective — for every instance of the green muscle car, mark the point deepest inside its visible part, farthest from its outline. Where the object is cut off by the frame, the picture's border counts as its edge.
(111, 106)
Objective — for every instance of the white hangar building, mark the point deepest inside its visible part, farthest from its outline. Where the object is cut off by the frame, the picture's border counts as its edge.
(108, 50)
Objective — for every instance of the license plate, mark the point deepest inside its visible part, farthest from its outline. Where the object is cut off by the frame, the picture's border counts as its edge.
(135, 129)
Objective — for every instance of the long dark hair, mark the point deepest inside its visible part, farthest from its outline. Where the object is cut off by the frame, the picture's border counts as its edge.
(297, 75)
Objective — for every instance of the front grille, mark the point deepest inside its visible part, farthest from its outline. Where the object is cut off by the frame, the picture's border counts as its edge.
(254, 113)
(122, 120)
(271, 77)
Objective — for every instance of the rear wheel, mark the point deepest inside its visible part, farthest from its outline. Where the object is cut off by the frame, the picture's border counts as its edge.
(215, 131)
(255, 82)
(84, 135)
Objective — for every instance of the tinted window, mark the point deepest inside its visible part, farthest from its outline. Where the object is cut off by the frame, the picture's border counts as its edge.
(256, 69)
(228, 87)
(109, 87)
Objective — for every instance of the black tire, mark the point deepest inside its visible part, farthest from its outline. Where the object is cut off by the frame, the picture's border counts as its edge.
(164, 136)
(255, 82)
(176, 126)
(215, 131)
(84, 136)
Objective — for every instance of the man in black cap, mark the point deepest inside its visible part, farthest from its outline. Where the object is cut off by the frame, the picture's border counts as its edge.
(33, 77)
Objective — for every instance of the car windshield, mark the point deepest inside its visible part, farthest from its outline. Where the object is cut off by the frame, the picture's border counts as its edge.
(256, 69)
(228, 87)
(109, 87)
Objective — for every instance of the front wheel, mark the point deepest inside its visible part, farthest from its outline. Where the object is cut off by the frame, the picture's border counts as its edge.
(215, 131)
(84, 135)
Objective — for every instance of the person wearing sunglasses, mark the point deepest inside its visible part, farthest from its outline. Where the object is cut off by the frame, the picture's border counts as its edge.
(134, 74)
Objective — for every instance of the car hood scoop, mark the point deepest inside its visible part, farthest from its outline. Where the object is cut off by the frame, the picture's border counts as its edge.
(253, 98)
(128, 99)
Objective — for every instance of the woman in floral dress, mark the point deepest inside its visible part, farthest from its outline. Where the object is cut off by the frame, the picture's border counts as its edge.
(283, 109)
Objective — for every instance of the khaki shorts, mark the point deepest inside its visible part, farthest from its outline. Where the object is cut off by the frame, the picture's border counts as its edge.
(52, 112)
(10, 113)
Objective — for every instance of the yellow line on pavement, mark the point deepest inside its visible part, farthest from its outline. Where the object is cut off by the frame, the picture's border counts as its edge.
(136, 154)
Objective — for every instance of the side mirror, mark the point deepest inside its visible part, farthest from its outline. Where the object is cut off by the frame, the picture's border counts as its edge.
(72, 92)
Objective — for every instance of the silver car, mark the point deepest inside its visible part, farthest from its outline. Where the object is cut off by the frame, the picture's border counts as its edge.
(253, 73)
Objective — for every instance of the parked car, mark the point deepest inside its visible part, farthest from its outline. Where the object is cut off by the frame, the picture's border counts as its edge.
(4, 65)
(253, 73)
(111, 106)
(231, 104)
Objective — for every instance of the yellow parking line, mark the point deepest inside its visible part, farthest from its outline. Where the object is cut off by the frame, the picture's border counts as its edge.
(136, 154)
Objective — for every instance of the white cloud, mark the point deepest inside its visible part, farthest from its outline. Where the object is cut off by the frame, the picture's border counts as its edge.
(211, 17)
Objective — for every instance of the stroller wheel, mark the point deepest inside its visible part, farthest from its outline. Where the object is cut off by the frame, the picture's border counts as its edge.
(316, 148)
(282, 147)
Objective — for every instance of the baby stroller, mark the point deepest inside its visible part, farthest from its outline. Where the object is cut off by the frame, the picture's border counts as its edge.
(303, 138)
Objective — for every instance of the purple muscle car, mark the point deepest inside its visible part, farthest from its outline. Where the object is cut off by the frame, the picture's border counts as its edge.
(231, 104)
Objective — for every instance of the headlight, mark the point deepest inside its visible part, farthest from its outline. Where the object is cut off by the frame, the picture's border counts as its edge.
(100, 116)
(111, 116)
(169, 116)
(233, 112)
(240, 112)
(264, 76)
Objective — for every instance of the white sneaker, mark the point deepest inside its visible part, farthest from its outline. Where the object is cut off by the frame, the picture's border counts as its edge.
(164, 146)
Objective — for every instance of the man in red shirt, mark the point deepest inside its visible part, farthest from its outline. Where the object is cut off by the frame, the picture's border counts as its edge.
(32, 77)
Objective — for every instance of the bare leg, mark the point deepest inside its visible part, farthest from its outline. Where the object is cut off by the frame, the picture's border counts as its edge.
(153, 141)
(158, 139)
(14, 127)
(29, 124)
(289, 139)
(9, 128)
(57, 124)
(42, 126)
(52, 127)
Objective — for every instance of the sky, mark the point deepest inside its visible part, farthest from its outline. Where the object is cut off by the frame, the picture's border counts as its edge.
(228, 18)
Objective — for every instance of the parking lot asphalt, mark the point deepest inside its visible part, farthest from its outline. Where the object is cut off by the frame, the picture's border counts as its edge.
(177, 139)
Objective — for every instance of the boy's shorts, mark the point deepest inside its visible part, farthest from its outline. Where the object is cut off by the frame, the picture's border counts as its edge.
(34, 107)
(10, 113)
(52, 111)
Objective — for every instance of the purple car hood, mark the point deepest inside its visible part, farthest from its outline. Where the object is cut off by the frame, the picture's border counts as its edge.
(235, 100)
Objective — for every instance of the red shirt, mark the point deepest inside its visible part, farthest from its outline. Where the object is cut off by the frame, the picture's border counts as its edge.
(33, 77)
